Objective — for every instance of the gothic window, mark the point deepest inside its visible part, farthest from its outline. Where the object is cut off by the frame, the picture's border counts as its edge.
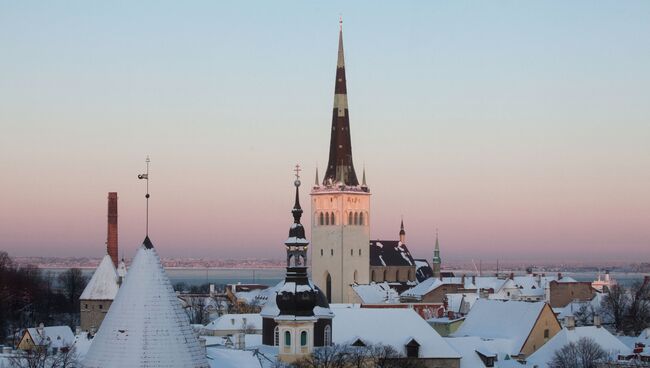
(356, 218)
(321, 252)
(354, 277)
(352, 252)
(328, 288)
(332, 217)
(350, 219)
(359, 251)
(287, 338)
(303, 338)
(276, 336)
(327, 218)
(328, 336)
(361, 218)
(322, 219)
(332, 252)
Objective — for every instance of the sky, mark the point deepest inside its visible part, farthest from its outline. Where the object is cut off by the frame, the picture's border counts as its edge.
(520, 130)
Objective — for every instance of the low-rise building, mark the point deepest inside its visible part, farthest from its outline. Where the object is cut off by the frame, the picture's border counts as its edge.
(51, 337)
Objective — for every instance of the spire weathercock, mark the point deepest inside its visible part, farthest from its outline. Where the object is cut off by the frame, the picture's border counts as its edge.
(147, 242)
(340, 169)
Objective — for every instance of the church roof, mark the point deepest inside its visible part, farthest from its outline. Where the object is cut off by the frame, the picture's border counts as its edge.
(145, 325)
(390, 253)
(103, 285)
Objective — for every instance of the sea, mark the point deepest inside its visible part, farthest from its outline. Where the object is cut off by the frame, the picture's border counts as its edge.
(271, 276)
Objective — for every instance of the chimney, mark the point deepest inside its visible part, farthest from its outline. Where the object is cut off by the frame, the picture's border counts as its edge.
(512, 275)
(598, 321)
(559, 276)
(570, 322)
(111, 238)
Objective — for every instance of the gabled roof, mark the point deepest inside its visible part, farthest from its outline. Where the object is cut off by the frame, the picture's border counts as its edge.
(389, 326)
(145, 325)
(512, 320)
(422, 270)
(236, 322)
(608, 342)
(103, 285)
(376, 293)
(54, 336)
(390, 253)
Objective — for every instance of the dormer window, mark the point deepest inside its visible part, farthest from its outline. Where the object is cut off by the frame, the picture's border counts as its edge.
(413, 349)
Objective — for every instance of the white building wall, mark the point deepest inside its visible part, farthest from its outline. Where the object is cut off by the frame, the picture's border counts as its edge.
(340, 249)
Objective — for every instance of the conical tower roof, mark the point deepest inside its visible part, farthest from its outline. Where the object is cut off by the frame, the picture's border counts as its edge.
(103, 285)
(145, 326)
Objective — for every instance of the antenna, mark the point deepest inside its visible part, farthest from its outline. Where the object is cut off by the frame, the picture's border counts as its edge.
(145, 176)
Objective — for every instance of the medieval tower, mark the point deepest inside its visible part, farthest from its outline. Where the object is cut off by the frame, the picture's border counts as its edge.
(340, 216)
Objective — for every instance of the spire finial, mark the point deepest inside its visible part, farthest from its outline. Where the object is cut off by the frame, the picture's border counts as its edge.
(316, 183)
(341, 22)
(297, 210)
(145, 176)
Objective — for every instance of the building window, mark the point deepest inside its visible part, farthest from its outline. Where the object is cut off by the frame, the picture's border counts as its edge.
(303, 338)
(86, 306)
(359, 251)
(321, 252)
(101, 306)
(327, 218)
(287, 338)
(546, 333)
(332, 251)
(333, 222)
(352, 252)
(276, 336)
(328, 336)
(350, 218)
(361, 218)
(356, 218)
(322, 219)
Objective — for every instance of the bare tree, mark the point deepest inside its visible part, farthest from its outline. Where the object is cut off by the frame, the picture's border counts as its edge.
(348, 356)
(197, 310)
(46, 357)
(638, 313)
(586, 353)
(584, 315)
(615, 304)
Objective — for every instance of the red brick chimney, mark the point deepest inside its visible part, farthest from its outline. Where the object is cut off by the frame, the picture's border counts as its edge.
(111, 238)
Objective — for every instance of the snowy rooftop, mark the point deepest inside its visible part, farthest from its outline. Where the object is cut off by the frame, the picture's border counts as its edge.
(455, 302)
(389, 326)
(423, 288)
(512, 320)
(469, 347)
(233, 322)
(390, 253)
(376, 293)
(145, 325)
(103, 285)
(608, 342)
(54, 336)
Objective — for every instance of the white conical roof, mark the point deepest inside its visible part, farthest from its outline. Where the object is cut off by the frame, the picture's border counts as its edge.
(103, 285)
(145, 326)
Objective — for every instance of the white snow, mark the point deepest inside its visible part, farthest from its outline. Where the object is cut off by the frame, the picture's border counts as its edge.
(608, 342)
(145, 325)
(469, 346)
(235, 322)
(389, 326)
(376, 293)
(511, 320)
(103, 285)
(54, 336)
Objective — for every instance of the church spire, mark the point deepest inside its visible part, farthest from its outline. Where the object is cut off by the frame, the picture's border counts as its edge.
(436, 258)
(340, 168)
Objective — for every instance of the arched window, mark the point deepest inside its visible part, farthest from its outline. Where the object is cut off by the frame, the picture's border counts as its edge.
(287, 338)
(321, 252)
(328, 288)
(327, 218)
(276, 336)
(303, 338)
(322, 219)
(352, 252)
(361, 218)
(354, 276)
(328, 336)
(350, 218)
(356, 218)
(332, 219)
(359, 251)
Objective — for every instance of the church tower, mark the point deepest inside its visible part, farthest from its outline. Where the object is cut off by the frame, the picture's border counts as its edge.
(340, 207)
(436, 261)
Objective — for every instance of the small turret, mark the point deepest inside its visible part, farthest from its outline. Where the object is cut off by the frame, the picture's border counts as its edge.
(402, 233)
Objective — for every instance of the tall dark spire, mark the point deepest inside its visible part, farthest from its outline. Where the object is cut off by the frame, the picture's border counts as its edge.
(340, 168)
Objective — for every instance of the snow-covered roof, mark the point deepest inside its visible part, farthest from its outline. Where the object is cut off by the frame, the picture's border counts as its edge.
(469, 347)
(389, 326)
(103, 285)
(376, 293)
(454, 301)
(234, 322)
(259, 357)
(608, 342)
(54, 336)
(512, 320)
(145, 325)
(121, 269)
(422, 270)
(271, 310)
(390, 253)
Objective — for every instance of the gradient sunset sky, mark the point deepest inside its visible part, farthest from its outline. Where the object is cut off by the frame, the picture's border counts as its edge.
(520, 129)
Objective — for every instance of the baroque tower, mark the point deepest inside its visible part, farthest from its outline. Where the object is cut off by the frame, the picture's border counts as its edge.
(340, 207)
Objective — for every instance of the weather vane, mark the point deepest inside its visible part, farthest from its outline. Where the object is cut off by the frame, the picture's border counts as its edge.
(145, 176)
